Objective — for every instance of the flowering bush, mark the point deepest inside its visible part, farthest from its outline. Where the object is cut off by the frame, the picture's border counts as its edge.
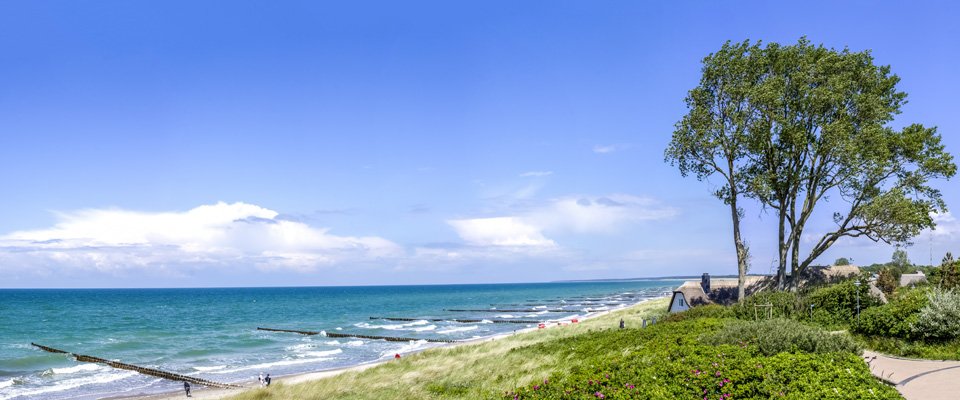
(668, 361)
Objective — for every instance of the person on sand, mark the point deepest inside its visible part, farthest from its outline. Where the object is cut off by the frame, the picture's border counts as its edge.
(186, 388)
(621, 323)
(260, 379)
(267, 380)
(396, 356)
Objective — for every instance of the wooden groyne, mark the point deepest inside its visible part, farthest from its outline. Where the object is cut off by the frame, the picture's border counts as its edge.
(289, 331)
(465, 321)
(509, 310)
(387, 338)
(143, 370)
(358, 336)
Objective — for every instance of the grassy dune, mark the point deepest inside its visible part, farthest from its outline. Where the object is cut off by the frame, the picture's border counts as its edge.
(481, 370)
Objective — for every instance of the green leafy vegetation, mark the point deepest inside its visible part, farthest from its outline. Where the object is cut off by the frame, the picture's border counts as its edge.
(894, 319)
(708, 358)
(782, 335)
(939, 319)
(782, 305)
(835, 306)
(706, 311)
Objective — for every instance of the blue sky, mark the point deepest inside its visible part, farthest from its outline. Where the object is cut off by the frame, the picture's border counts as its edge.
(285, 143)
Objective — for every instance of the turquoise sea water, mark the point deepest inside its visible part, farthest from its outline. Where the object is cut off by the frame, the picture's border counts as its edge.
(211, 333)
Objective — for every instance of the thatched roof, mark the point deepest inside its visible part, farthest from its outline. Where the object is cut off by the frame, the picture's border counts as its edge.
(816, 275)
(912, 279)
(722, 290)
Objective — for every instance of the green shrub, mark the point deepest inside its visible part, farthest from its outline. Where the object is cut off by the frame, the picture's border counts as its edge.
(894, 319)
(707, 311)
(782, 335)
(940, 319)
(784, 305)
(836, 305)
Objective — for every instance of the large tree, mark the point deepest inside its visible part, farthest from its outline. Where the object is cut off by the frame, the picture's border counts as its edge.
(824, 132)
(794, 126)
(711, 139)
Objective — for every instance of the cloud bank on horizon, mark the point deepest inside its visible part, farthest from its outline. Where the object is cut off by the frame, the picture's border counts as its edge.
(247, 236)
(104, 240)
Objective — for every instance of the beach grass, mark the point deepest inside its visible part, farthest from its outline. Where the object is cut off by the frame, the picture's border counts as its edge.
(478, 370)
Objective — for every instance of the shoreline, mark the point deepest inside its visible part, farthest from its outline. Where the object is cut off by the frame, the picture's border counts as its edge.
(205, 393)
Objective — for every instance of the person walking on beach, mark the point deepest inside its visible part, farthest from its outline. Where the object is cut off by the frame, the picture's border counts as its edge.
(621, 323)
(186, 388)
(266, 380)
(260, 379)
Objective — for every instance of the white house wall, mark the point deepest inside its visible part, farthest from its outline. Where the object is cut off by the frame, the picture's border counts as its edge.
(679, 303)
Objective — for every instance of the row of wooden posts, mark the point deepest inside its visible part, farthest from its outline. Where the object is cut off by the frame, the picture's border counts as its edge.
(358, 336)
(468, 321)
(143, 370)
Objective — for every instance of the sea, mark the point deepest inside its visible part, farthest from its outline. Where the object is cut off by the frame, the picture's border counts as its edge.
(212, 333)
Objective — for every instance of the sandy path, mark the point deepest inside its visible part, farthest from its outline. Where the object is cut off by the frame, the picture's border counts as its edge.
(917, 379)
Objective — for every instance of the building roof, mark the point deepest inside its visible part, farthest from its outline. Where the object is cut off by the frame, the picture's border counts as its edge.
(722, 290)
(912, 279)
(831, 274)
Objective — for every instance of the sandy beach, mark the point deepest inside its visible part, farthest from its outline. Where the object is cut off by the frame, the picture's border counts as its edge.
(212, 393)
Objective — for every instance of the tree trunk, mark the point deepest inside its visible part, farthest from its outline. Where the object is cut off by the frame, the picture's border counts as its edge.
(795, 269)
(783, 246)
(741, 250)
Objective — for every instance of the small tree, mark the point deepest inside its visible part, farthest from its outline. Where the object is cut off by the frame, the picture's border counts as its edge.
(949, 272)
(900, 260)
(842, 261)
(888, 280)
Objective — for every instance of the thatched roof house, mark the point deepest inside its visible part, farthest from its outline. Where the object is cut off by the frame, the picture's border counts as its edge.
(724, 290)
(713, 291)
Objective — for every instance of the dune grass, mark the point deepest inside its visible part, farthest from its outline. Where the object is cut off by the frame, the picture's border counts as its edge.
(480, 370)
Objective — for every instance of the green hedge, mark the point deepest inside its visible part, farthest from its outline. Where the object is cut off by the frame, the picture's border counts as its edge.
(894, 319)
(782, 335)
(784, 305)
(836, 305)
(707, 311)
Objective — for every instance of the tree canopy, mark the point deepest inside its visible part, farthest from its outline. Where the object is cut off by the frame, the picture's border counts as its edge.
(802, 125)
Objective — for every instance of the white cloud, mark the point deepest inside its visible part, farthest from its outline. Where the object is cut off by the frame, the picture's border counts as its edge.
(573, 214)
(499, 231)
(947, 225)
(609, 148)
(598, 214)
(223, 234)
(535, 174)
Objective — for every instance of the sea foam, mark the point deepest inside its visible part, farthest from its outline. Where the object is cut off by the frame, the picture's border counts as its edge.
(75, 369)
(460, 329)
